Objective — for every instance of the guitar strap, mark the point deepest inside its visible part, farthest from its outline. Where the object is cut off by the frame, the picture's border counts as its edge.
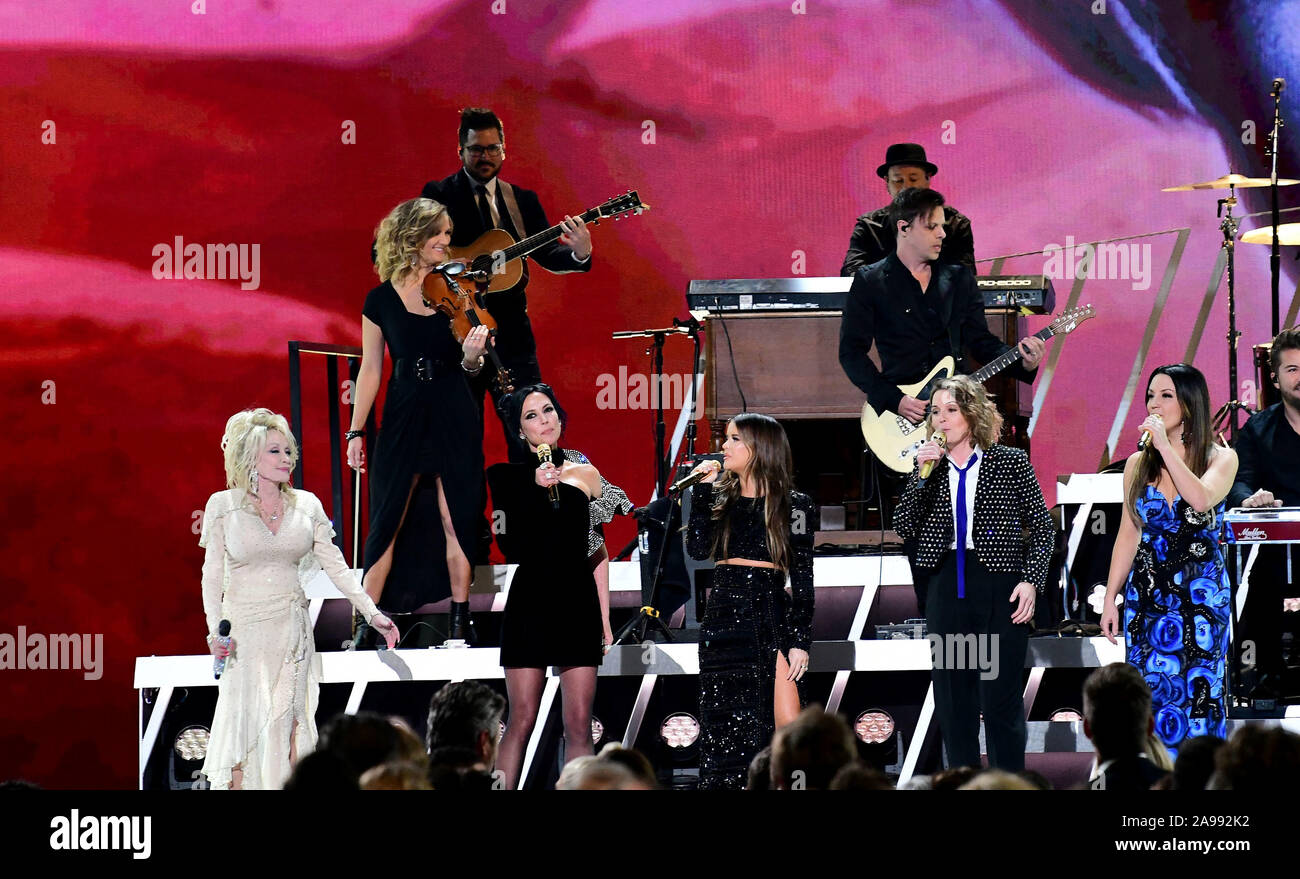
(512, 207)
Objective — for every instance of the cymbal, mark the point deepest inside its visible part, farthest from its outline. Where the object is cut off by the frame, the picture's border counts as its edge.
(1287, 233)
(1232, 180)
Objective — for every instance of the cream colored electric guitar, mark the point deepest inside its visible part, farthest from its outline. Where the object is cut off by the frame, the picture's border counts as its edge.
(894, 440)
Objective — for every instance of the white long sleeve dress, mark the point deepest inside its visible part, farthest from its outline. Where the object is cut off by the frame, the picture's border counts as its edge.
(255, 579)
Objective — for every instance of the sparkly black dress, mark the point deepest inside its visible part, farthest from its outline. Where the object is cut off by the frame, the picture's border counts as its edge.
(749, 617)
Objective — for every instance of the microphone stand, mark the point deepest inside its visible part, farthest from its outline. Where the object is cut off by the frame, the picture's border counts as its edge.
(1275, 257)
(662, 465)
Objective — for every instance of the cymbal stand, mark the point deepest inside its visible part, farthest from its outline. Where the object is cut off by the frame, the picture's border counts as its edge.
(1229, 227)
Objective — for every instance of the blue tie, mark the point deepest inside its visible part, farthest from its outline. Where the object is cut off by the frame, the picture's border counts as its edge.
(961, 525)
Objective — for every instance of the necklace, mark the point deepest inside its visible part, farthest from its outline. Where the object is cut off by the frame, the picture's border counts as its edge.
(279, 509)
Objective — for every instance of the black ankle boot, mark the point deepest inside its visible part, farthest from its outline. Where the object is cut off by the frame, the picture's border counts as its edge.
(361, 633)
(462, 624)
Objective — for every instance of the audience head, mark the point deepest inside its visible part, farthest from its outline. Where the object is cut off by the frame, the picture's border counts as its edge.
(952, 779)
(396, 775)
(1117, 711)
(760, 771)
(1258, 758)
(466, 714)
(808, 751)
(598, 773)
(361, 740)
(1195, 763)
(322, 771)
(859, 776)
(996, 779)
(633, 761)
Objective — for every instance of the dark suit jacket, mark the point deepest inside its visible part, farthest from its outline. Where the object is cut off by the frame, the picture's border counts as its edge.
(457, 193)
(912, 331)
(1008, 502)
(1268, 450)
(874, 239)
(1135, 773)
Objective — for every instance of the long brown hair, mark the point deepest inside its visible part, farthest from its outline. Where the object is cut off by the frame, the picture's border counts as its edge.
(1198, 436)
(770, 466)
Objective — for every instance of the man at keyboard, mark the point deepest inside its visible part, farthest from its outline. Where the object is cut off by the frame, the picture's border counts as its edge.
(1268, 475)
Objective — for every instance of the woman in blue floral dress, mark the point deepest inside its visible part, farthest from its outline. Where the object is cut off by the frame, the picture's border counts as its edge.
(1168, 562)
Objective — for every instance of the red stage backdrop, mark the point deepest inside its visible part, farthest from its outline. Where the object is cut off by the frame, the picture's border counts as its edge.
(754, 128)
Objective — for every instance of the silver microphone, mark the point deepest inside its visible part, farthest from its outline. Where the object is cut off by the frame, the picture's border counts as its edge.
(223, 638)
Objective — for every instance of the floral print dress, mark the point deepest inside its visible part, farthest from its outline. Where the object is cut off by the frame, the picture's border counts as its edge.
(1176, 614)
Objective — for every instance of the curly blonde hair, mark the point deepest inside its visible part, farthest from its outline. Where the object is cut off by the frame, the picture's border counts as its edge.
(401, 235)
(976, 407)
(245, 440)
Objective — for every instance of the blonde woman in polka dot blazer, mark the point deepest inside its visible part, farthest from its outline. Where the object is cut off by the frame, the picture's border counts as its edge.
(982, 575)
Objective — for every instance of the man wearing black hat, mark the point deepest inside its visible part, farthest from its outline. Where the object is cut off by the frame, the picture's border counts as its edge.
(873, 235)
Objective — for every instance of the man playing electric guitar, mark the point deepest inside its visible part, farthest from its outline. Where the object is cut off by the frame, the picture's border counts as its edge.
(916, 311)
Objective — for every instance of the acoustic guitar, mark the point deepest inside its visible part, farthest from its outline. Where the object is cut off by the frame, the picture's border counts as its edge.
(894, 440)
(497, 253)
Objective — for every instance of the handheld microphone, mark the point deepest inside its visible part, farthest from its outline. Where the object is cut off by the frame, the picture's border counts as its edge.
(928, 467)
(544, 456)
(1145, 439)
(688, 481)
(223, 638)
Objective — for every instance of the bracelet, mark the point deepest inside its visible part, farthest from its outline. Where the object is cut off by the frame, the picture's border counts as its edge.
(354, 434)
(476, 370)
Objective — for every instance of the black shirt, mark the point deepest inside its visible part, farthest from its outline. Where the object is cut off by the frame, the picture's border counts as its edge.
(912, 330)
(1268, 456)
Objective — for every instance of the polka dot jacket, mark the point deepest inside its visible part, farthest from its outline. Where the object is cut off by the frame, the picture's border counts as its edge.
(1012, 532)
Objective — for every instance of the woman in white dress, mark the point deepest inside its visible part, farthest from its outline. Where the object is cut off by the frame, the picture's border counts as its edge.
(264, 541)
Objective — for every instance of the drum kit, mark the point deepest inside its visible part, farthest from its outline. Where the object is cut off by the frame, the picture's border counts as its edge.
(1277, 235)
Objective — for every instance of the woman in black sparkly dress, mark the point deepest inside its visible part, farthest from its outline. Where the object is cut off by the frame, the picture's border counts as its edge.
(755, 635)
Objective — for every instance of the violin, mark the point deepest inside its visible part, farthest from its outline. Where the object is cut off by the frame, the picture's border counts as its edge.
(466, 311)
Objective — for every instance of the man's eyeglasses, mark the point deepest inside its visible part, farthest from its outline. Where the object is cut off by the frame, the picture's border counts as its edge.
(493, 149)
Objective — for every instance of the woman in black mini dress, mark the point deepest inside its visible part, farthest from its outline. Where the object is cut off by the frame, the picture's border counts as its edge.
(545, 516)
(426, 482)
(755, 636)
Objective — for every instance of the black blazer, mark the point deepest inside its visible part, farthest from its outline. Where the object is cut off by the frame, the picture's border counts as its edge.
(912, 331)
(1008, 502)
(1135, 773)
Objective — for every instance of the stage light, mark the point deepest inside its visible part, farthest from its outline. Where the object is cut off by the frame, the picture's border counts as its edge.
(1066, 715)
(597, 730)
(679, 730)
(874, 726)
(192, 743)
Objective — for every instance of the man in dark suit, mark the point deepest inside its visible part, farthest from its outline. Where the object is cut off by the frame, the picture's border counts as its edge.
(479, 200)
(873, 235)
(1117, 718)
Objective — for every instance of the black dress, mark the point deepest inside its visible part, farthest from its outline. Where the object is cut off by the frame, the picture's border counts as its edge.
(432, 427)
(552, 614)
(749, 617)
